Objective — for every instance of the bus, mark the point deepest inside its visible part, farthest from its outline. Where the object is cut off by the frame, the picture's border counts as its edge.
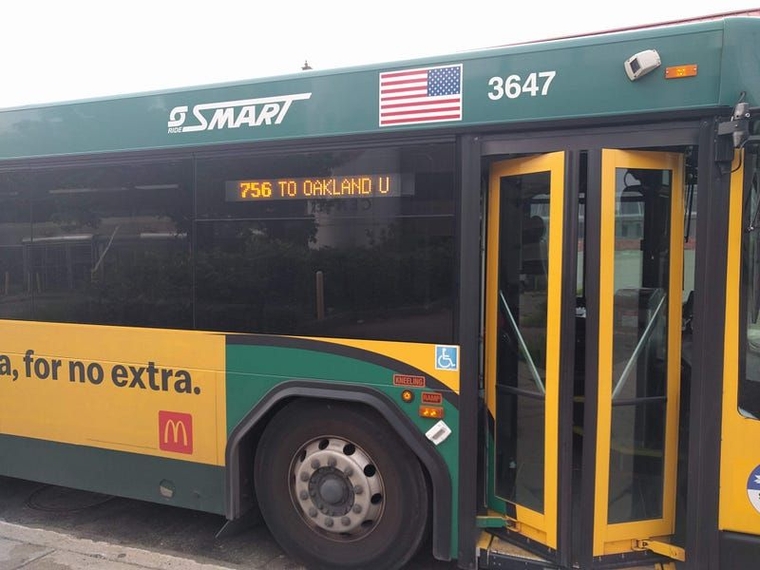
(501, 305)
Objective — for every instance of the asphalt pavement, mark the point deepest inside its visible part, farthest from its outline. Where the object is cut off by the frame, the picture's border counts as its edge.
(38, 549)
(45, 527)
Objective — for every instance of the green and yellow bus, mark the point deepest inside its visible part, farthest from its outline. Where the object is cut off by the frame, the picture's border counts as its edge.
(502, 303)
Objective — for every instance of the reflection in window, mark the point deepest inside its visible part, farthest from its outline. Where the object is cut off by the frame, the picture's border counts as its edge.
(639, 375)
(108, 244)
(521, 351)
(15, 226)
(353, 243)
(749, 385)
(309, 244)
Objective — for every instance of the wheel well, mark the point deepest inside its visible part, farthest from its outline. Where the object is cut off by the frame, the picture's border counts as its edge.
(249, 441)
(244, 439)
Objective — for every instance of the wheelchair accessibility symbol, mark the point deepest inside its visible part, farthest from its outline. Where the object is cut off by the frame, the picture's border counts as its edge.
(446, 357)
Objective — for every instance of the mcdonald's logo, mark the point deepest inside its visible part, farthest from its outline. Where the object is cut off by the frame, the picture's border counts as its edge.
(175, 432)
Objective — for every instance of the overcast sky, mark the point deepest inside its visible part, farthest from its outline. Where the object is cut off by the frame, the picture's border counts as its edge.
(55, 50)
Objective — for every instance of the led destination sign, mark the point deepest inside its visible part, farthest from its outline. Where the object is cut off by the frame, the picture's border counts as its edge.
(314, 188)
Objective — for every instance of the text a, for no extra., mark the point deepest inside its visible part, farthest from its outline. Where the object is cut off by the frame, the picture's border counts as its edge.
(148, 377)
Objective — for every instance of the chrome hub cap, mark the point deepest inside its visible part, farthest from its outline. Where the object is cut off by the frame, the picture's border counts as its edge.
(337, 488)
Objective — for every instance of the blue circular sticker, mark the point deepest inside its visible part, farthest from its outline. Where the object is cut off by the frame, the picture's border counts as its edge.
(753, 488)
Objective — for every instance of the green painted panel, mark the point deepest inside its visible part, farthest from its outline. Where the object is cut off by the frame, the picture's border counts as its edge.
(568, 79)
(290, 363)
(590, 80)
(741, 61)
(252, 371)
(196, 486)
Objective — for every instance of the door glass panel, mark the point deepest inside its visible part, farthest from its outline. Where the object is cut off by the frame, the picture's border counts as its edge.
(640, 344)
(522, 326)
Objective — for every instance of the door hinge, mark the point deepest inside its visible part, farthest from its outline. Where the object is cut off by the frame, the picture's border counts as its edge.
(663, 548)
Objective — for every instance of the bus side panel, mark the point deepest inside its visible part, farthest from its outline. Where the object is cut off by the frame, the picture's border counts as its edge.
(738, 550)
(147, 391)
(127, 411)
(739, 510)
(256, 364)
(144, 477)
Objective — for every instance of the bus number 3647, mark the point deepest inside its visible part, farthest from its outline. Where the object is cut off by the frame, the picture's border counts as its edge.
(511, 87)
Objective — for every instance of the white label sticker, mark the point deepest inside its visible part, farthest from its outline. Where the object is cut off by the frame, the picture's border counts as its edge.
(438, 433)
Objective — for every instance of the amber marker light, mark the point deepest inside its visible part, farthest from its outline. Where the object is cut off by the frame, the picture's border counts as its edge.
(407, 396)
(432, 412)
(679, 71)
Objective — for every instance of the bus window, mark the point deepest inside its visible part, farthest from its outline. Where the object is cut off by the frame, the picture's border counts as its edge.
(109, 244)
(15, 288)
(749, 384)
(354, 243)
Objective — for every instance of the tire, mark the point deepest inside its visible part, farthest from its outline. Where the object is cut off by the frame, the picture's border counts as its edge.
(339, 489)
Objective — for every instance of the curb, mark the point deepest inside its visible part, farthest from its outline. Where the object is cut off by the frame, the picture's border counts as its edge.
(127, 555)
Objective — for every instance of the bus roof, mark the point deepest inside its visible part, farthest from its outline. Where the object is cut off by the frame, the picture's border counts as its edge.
(556, 80)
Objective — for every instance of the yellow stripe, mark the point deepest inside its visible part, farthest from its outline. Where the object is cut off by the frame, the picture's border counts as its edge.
(492, 284)
(417, 355)
(553, 334)
(738, 456)
(604, 372)
(675, 307)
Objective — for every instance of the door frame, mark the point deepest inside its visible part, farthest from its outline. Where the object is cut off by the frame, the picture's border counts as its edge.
(587, 138)
(605, 533)
(535, 526)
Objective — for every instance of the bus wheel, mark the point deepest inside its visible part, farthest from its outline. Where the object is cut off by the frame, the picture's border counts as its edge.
(339, 489)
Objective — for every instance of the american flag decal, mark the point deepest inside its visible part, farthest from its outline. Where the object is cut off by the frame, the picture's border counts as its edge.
(425, 95)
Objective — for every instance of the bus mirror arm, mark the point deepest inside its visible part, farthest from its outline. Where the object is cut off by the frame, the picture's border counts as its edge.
(734, 133)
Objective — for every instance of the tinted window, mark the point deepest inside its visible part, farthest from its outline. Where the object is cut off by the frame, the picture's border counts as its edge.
(352, 243)
(355, 243)
(110, 244)
(15, 232)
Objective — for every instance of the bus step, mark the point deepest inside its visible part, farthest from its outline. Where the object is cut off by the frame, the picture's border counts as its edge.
(497, 554)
